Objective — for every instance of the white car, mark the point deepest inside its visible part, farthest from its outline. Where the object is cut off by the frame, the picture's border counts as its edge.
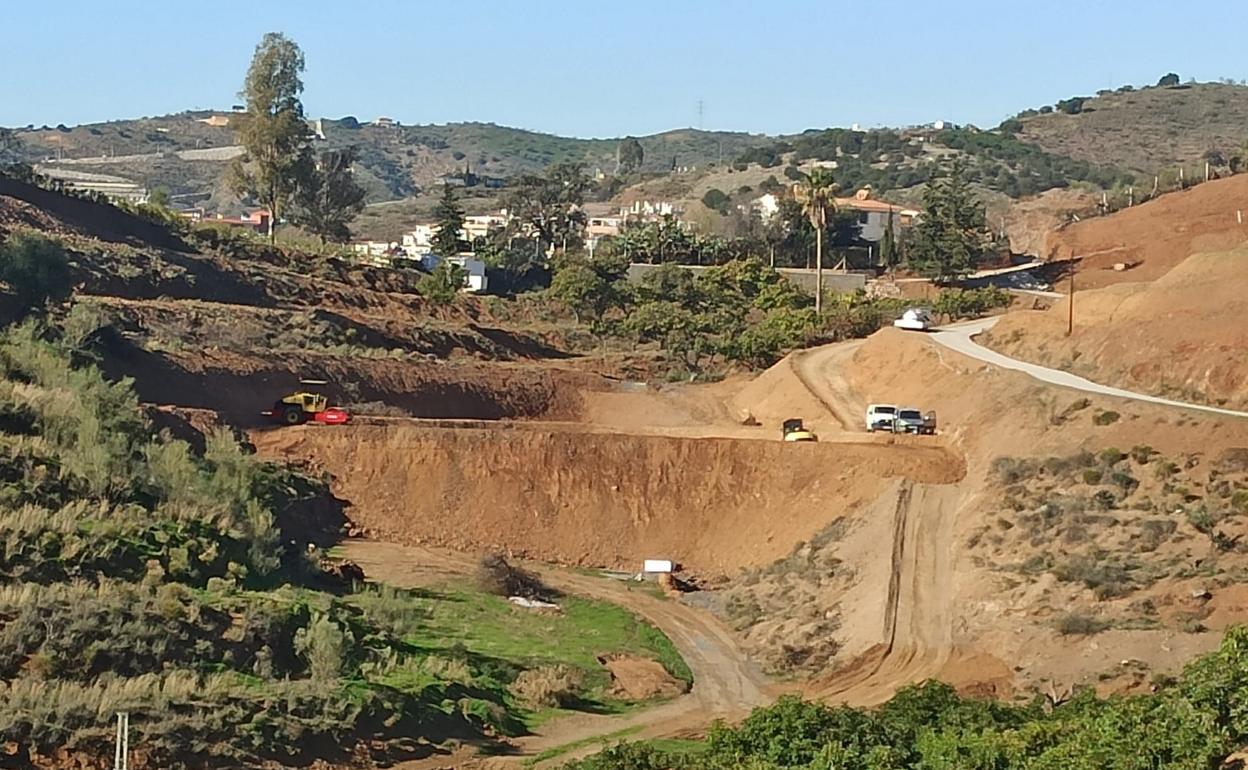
(915, 319)
(881, 417)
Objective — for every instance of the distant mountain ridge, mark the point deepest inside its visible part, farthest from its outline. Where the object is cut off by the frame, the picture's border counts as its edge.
(396, 160)
(1096, 142)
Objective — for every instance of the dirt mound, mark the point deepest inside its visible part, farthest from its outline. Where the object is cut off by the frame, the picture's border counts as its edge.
(238, 387)
(714, 505)
(1182, 336)
(25, 204)
(777, 395)
(1157, 235)
(634, 678)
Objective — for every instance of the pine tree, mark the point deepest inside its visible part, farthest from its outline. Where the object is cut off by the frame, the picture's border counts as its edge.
(952, 235)
(888, 244)
(450, 220)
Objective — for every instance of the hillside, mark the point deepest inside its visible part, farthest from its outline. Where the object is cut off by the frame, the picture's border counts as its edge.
(1154, 237)
(1149, 129)
(1181, 336)
(187, 155)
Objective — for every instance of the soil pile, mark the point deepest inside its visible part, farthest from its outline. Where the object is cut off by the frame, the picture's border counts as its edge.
(1182, 336)
(1157, 235)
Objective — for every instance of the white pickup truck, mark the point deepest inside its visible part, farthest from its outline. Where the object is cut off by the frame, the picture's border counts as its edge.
(881, 417)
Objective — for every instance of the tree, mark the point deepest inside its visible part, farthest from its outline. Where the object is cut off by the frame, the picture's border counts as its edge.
(36, 270)
(951, 236)
(550, 204)
(581, 289)
(889, 256)
(1169, 79)
(817, 195)
(628, 155)
(10, 146)
(716, 200)
(450, 221)
(444, 283)
(273, 132)
(328, 199)
(159, 198)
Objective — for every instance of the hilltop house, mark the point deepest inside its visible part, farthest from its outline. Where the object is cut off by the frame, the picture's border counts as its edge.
(873, 215)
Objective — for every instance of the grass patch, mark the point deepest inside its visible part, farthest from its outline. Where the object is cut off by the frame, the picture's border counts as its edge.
(595, 740)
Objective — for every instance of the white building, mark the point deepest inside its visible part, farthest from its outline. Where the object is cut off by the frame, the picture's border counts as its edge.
(874, 215)
(418, 240)
(476, 281)
(766, 206)
(650, 209)
(480, 225)
(379, 253)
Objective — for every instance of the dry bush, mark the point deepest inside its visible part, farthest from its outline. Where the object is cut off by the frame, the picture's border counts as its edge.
(1076, 624)
(497, 576)
(551, 686)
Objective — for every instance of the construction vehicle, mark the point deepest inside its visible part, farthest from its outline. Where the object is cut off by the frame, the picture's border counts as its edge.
(306, 406)
(793, 430)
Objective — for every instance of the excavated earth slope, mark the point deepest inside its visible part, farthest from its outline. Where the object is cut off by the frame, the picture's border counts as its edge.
(714, 505)
(1182, 336)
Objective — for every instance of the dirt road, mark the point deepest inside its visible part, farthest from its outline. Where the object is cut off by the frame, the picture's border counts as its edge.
(917, 637)
(960, 338)
(726, 684)
(819, 369)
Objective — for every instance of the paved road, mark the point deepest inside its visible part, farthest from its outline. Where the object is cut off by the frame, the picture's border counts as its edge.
(960, 337)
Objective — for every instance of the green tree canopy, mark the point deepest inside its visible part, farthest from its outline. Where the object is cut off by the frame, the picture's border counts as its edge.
(449, 217)
(444, 283)
(951, 236)
(328, 199)
(35, 269)
(273, 132)
(629, 155)
(550, 204)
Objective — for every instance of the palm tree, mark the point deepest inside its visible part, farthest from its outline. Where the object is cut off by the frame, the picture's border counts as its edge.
(817, 195)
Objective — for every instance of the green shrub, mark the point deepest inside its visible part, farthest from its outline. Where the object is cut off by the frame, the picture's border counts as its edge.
(1105, 418)
(1111, 456)
(36, 270)
(1092, 476)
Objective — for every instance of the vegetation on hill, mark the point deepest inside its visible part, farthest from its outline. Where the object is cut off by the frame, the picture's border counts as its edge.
(140, 573)
(1195, 723)
(1146, 130)
(891, 160)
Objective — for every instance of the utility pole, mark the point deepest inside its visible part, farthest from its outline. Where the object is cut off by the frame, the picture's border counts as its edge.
(121, 753)
(1070, 301)
(700, 110)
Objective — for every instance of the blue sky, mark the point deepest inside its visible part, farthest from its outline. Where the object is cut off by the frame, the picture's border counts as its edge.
(608, 69)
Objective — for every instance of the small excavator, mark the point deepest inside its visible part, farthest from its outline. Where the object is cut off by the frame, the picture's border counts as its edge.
(306, 406)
